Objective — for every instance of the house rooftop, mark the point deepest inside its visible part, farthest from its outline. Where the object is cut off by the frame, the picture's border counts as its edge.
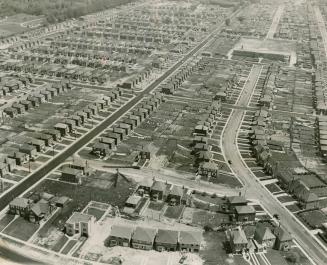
(20, 202)
(167, 236)
(145, 234)
(190, 237)
(122, 231)
(77, 217)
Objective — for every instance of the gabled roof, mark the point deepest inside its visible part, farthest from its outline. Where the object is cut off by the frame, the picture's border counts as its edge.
(20, 202)
(167, 236)
(239, 237)
(77, 217)
(159, 186)
(190, 237)
(144, 234)
(146, 183)
(39, 208)
(122, 231)
(263, 233)
(177, 190)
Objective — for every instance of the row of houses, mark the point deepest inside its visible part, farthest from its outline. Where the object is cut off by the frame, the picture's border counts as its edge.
(201, 149)
(104, 145)
(147, 238)
(34, 100)
(258, 238)
(322, 135)
(282, 164)
(174, 82)
(37, 208)
(56, 70)
(69, 124)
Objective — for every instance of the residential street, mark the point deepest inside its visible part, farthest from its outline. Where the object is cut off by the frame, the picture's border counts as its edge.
(254, 189)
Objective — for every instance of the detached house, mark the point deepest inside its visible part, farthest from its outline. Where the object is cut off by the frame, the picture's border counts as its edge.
(264, 236)
(120, 236)
(20, 206)
(166, 240)
(245, 213)
(80, 223)
(143, 238)
(283, 239)
(237, 240)
(190, 241)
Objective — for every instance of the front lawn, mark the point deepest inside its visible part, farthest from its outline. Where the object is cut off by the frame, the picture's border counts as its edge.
(156, 206)
(6, 220)
(174, 212)
(21, 229)
(69, 246)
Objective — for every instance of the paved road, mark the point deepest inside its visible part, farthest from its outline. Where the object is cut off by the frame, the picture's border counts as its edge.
(254, 189)
(8, 255)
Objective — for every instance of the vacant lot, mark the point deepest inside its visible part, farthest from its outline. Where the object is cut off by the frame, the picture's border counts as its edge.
(202, 218)
(21, 229)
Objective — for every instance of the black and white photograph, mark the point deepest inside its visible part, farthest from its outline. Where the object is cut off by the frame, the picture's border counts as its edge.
(163, 132)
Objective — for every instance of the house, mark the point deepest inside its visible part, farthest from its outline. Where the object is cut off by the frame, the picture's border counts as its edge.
(175, 195)
(208, 169)
(61, 201)
(38, 144)
(80, 223)
(3, 169)
(20, 158)
(29, 150)
(190, 241)
(115, 136)
(11, 112)
(234, 201)
(62, 128)
(46, 138)
(71, 175)
(27, 104)
(20, 206)
(143, 238)
(245, 213)
(283, 239)
(166, 240)
(307, 199)
(201, 130)
(110, 142)
(120, 236)
(39, 211)
(55, 134)
(133, 201)
(158, 191)
(237, 240)
(19, 107)
(101, 149)
(264, 236)
(71, 124)
(121, 132)
(144, 188)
